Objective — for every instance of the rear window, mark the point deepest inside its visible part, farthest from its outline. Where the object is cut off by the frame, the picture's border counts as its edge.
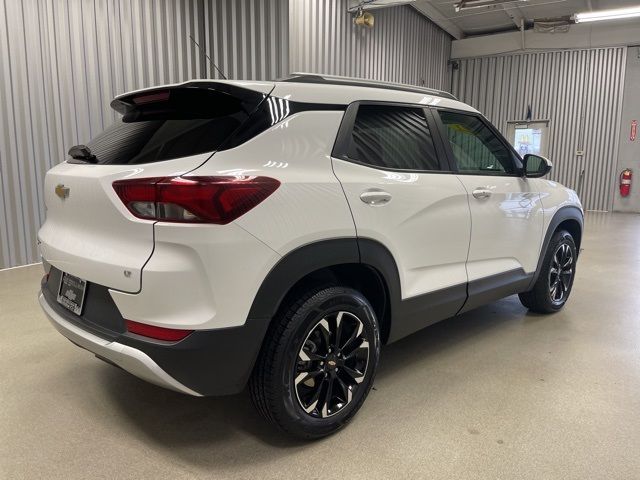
(157, 140)
(172, 124)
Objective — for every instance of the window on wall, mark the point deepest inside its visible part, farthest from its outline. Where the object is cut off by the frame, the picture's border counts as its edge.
(392, 137)
(475, 147)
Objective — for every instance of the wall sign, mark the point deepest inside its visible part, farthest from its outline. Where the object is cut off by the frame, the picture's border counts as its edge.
(634, 130)
(529, 136)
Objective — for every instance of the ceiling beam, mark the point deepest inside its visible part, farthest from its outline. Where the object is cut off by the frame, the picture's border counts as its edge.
(515, 15)
(355, 5)
(433, 14)
(578, 37)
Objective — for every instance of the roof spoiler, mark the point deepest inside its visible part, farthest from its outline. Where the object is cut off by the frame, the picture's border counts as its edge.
(169, 97)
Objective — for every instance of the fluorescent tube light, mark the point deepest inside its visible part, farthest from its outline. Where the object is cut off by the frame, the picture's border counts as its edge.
(470, 4)
(614, 14)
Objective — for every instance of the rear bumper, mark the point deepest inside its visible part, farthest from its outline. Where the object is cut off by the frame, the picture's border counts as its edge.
(205, 363)
(130, 359)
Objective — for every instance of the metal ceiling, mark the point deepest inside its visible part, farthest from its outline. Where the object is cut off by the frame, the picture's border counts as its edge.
(498, 18)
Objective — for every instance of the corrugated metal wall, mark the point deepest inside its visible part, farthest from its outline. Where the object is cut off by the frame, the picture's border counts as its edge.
(61, 62)
(404, 46)
(578, 91)
(248, 39)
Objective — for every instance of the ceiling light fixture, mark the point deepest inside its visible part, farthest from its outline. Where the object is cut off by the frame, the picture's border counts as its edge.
(614, 14)
(469, 4)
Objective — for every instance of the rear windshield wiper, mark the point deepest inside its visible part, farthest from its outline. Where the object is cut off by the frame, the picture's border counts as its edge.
(82, 152)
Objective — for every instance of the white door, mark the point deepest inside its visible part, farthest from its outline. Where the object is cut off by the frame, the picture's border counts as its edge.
(400, 197)
(506, 210)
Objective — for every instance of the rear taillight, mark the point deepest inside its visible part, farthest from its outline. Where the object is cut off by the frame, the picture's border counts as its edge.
(158, 333)
(218, 200)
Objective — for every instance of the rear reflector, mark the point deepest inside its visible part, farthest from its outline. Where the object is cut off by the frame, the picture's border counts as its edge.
(159, 333)
(218, 200)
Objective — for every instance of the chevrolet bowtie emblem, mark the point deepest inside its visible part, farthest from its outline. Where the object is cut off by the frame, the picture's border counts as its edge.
(62, 191)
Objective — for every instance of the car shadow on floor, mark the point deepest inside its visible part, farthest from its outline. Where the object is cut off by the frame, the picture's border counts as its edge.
(201, 430)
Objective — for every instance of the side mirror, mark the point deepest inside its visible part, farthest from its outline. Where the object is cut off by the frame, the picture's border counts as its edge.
(536, 166)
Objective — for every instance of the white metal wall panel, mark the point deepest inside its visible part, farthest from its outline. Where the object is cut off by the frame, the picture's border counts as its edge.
(61, 62)
(403, 46)
(247, 39)
(578, 91)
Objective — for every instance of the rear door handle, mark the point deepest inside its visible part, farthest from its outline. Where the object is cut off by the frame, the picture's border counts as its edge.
(375, 198)
(482, 192)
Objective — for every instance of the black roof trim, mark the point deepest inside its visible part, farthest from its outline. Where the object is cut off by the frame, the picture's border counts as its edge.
(356, 82)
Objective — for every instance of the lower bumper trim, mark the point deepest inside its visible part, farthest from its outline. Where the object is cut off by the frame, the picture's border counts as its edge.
(128, 358)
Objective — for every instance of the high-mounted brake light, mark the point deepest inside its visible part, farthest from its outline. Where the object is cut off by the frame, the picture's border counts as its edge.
(218, 200)
(159, 333)
(151, 98)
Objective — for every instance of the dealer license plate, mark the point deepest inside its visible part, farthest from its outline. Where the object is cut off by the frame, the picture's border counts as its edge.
(71, 293)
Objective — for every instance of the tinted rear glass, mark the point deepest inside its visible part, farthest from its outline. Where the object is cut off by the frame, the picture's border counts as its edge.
(157, 140)
(394, 137)
(191, 122)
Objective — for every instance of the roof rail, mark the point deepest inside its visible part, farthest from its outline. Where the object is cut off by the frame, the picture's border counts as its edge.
(320, 78)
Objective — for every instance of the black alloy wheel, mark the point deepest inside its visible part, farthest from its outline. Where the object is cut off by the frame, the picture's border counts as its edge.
(332, 363)
(560, 273)
(318, 361)
(558, 269)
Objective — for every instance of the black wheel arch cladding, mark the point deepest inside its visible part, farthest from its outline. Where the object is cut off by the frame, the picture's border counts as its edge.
(570, 218)
(328, 254)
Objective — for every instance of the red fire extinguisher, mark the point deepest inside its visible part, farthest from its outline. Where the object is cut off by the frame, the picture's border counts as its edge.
(625, 182)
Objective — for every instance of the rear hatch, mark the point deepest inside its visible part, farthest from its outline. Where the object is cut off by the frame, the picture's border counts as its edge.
(163, 132)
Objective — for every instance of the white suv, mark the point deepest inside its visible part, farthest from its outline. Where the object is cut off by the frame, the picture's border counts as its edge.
(276, 234)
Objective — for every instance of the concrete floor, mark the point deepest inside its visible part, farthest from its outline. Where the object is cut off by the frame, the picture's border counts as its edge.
(496, 393)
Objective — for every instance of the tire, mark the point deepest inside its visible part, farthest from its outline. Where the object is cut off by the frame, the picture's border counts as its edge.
(295, 367)
(551, 290)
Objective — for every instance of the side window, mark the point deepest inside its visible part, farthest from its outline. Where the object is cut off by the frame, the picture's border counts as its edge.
(392, 137)
(475, 147)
